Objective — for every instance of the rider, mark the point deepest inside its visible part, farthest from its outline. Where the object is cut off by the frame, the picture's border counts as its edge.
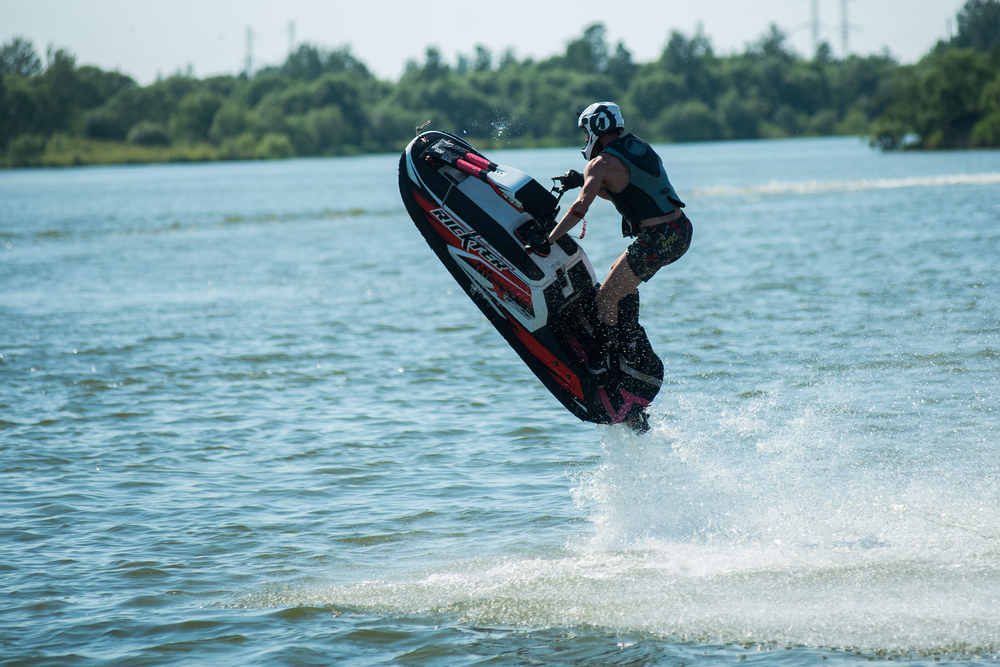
(626, 170)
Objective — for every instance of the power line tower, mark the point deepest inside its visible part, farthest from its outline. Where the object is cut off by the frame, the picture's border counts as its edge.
(845, 29)
(814, 24)
(248, 61)
(291, 37)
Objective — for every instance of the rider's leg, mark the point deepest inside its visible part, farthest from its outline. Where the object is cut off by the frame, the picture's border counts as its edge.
(619, 283)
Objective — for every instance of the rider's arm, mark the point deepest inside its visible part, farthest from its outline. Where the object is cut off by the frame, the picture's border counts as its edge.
(593, 186)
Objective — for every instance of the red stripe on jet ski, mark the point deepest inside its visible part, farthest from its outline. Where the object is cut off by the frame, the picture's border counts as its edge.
(516, 288)
(559, 371)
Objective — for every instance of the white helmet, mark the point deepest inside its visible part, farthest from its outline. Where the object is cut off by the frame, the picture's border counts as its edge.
(597, 120)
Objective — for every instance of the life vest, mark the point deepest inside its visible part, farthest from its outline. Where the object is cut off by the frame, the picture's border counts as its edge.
(649, 193)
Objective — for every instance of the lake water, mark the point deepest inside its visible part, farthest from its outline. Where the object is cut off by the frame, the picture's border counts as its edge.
(247, 418)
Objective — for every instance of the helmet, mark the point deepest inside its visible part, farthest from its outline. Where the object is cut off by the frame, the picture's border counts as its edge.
(597, 120)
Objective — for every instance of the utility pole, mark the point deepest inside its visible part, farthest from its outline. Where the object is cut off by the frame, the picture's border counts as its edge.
(291, 37)
(248, 63)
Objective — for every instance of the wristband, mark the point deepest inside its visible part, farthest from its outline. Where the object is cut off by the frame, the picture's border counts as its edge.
(572, 211)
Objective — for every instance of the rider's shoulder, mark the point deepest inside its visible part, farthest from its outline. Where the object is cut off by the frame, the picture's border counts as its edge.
(607, 164)
(605, 161)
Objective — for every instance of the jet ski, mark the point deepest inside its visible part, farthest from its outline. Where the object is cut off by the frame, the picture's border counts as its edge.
(478, 216)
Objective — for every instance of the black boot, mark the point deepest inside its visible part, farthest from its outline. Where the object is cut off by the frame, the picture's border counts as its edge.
(638, 421)
(600, 350)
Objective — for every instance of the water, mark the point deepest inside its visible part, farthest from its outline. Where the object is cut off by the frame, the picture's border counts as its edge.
(247, 418)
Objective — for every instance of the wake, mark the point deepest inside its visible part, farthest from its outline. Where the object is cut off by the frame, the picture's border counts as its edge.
(817, 187)
(791, 523)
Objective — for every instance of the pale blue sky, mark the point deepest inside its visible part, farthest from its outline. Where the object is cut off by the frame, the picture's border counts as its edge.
(144, 38)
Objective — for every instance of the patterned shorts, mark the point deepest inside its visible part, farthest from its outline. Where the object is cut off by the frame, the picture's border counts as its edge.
(659, 245)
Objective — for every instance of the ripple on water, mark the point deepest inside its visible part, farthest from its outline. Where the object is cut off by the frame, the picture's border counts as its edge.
(230, 435)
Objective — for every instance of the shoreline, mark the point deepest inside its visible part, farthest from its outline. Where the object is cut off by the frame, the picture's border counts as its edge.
(67, 152)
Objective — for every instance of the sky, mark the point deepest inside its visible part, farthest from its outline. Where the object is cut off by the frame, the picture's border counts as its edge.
(149, 38)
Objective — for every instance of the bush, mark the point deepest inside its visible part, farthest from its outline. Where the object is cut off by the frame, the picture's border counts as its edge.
(822, 124)
(243, 147)
(147, 133)
(104, 123)
(789, 120)
(274, 146)
(25, 150)
(690, 121)
(741, 115)
(194, 115)
(854, 123)
(986, 133)
(231, 120)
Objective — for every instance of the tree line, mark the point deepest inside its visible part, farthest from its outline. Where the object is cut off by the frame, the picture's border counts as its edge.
(951, 98)
(327, 102)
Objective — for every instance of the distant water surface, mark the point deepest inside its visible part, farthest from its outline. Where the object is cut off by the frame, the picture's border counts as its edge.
(247, 418)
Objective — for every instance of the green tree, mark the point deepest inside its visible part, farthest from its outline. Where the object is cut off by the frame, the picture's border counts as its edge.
(692, 120)
(326, 102)
(484, 59)
(978, 25)
(940, 100)
(5, 116)
(654, 89)
(95, 86)
(986, 132)
(194, 116)
(231, 120)
(694, 61)
(741, 115)
(310, 62)
(589, 52)
(620, 66)
(57, 94)
(113, 120)
(18, 57)
(20, 108)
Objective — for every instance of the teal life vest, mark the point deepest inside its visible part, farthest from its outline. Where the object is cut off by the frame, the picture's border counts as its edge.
(649, 193)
